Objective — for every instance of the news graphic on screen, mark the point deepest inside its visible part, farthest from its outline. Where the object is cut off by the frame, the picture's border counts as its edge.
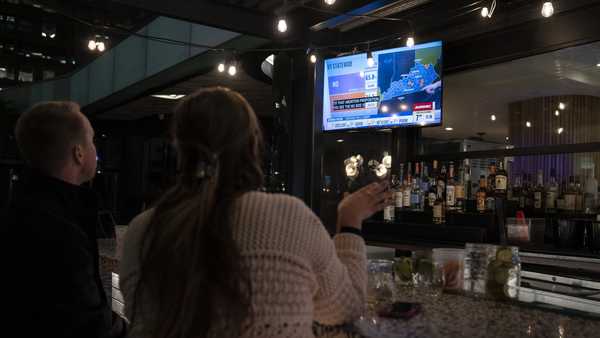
(403, 87)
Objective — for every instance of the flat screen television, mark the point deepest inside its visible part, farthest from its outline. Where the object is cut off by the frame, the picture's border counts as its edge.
(401, 88)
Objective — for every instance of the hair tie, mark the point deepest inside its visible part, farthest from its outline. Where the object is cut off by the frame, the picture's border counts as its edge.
(207, 168)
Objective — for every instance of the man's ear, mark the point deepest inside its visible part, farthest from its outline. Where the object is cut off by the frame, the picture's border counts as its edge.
(78, 154)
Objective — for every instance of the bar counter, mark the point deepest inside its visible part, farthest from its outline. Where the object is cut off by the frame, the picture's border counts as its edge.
(445, 315)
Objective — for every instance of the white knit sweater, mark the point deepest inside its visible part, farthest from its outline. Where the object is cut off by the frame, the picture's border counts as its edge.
(298, 273)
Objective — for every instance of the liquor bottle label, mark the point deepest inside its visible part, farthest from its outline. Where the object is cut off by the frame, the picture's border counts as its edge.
(398, 197)
(437, 211)
(501, 182)
(537, 204)
(570, 201)
(388, 213)
(550, 200)
(414, 200)
(459, 191)
(450, 196)
(406, 199)
(490, 203)
(480, 202)
(431, 199)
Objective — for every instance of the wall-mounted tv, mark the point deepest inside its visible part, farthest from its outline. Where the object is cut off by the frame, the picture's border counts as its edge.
(401, 88)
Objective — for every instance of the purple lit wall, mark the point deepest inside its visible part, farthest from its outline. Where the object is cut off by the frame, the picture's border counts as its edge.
(580, 123)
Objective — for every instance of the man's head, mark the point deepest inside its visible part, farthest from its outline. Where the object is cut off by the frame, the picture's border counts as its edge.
(58, 140)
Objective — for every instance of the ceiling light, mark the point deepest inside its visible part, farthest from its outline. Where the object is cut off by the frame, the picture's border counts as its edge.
(340, 141)
(562, 106)
(485, 12)
(63, 61)
(169, 96)
(410, 42)
(73, 62)
(449, 129)
(493, 117)
(92, 44)
(282, 26)
(329, 2)
(361, 74)
(221, 67)
(44, 34)
(557, 112)
(598, 65)
(27, 55)
(313, 58)
(507, 138)
(232, 70)
(528, 124)
(384, 109)
(560, 130)
(370, 60)
(547, 9)
(403, 107)
(52, 36)
(101, 47)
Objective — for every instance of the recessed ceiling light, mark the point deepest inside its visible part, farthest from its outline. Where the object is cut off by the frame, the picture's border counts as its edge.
(384, 109)
(561, 106)
(449, 129)
(528, 124)
(493, 117)
(507, 138)
(169, 96)
(598, 65)
(557, 112)
(340, 141)
(560, 130)
(403, 107)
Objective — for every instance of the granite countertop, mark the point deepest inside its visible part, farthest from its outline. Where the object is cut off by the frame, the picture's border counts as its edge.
(445, 315)
(453, 315)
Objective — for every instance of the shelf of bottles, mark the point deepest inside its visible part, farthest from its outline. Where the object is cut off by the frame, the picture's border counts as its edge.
(560, 207)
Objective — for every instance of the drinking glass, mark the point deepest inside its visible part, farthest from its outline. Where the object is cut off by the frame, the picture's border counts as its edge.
(380, 287)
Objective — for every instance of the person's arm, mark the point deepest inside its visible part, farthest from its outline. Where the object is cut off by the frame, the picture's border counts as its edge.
(341, 265)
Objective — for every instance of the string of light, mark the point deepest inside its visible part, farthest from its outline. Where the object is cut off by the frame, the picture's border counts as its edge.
(230, 64)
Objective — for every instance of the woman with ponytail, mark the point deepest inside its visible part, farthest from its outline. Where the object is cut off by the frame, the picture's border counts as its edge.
(217, 258)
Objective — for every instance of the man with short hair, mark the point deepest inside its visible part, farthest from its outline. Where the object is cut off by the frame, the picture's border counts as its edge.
(51, 283)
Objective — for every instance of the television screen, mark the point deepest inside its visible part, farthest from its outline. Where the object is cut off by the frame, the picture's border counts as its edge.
(402, 87)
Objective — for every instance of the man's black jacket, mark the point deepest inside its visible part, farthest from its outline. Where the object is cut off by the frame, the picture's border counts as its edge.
(50, 280)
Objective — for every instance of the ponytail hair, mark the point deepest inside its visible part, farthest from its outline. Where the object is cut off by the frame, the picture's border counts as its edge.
(191, 268)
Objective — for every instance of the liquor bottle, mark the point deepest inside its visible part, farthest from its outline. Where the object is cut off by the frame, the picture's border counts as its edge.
(551, 192)
(450, 189)
(459, 191)
(490, 196)
(538, 193)
(467, 179)
(389, 211)
(399, 190)
(415, 194)
(591, 192)
(528, 192)
(501, 180)
(432, 193)
(519, 191)
(491, 181)
(407, 188)
(425, 186)
(578, 194)
(439, 214)
(441, 184)
(570, 195)
(481, 194)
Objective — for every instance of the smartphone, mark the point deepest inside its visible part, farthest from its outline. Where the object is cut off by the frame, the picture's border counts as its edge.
(401, 310)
